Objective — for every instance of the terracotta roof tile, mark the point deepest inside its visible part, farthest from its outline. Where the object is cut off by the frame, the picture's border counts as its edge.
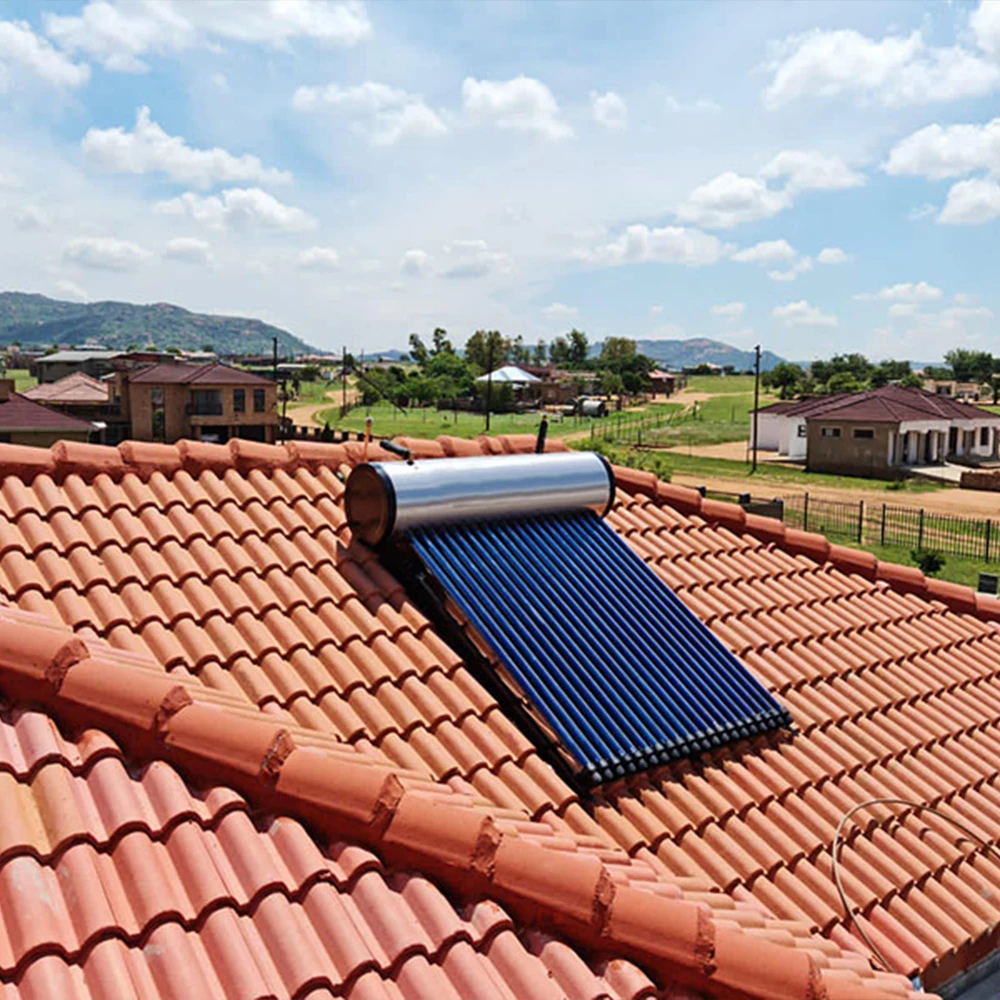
(229, 573)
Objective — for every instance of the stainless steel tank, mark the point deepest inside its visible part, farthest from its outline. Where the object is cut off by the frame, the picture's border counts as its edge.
(386, 498)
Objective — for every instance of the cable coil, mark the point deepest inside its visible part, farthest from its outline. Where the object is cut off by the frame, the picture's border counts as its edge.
(920, 807)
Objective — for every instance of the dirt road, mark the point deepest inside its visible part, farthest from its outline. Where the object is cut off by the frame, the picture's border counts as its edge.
(304, 414)
(962, 503)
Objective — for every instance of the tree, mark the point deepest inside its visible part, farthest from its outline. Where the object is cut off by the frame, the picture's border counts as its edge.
(442, 345)
(970, 366)
(487, 350)
(539, 353)
(616, 353)
(911, 380)
(843, 382)
(520, 353)
(578, 347)
(559, 351)
(889, 371)
(784, 377)
(856, 365)
(418, 350)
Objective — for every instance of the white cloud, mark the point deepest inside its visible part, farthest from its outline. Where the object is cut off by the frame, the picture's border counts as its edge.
(801, 266)
(118, 34)
(985, 25)
(904, 291)
(935, 152)
(808, 170)
(893, 72)
(730, 310)
(24, 52)
(318, 259)
(386, 113)
(971, 203)
(701, 106)
(189, 249)
(833, 255)
(967, 312)
(898, 309)
(669, 245)
(416, 263)
(9, 182)
(238, 207)
(731, 199)
(767, 252)
(32, 218)
(524, 104)
(473, 259)
(924, 211)
(70, 290)
(609, 109)
(105, 253)
(149, 149)
(802, 314)
(558, 311)
(656, 310)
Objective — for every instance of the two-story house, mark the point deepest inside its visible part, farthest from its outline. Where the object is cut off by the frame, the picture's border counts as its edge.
(209, 402)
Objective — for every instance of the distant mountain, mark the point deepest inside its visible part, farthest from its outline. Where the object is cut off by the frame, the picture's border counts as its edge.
(699, 350)
(39, 320)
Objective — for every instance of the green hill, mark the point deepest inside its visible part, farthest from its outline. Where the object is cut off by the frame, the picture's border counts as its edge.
(38, 320)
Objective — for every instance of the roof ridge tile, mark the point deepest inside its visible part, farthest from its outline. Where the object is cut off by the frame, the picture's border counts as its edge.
(461, 844)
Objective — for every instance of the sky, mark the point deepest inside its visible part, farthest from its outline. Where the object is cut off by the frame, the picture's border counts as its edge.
(813, 177)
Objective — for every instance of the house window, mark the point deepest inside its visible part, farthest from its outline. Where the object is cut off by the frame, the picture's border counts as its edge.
(984, 436)
(802, 430)
(258, 401)
(830, 432)
(239, 400)
(5, 437)
(864, 433)
(159, 421)
(206, 402)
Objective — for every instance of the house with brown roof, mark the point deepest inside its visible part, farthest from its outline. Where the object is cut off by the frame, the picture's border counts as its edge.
(26, 422)
(237, 759)
(210, 402)
(88, 398)
(880, 432)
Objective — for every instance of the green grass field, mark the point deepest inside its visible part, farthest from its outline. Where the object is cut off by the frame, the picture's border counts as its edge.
(22, 380)
(718, 384)
(429, 422)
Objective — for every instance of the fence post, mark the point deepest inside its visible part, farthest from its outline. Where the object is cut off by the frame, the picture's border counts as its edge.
(920, 531)
(861, 519)
(986, 556)
(805, 512)
(591, 433)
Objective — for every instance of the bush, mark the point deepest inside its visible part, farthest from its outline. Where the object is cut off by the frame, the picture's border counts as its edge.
(929, 562)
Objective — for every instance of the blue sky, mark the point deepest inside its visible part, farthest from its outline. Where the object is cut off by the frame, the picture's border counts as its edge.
(815, 177)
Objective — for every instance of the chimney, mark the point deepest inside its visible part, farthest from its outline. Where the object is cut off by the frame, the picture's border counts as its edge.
(6, 389)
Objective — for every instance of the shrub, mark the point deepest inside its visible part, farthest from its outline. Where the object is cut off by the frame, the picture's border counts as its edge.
(928, 561)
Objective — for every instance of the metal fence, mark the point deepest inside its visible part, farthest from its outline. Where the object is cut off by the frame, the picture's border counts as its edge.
(866, 522)
(628, 428)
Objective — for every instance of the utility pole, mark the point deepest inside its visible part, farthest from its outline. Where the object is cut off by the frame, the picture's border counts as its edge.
(756, 403)
(489, 379)
(343, 382)
(274, 356)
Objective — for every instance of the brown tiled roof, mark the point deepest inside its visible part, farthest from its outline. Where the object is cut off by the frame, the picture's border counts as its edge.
(78, 388)
(212, 373)
(18, 413)
(889, 404)
(254, 645)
